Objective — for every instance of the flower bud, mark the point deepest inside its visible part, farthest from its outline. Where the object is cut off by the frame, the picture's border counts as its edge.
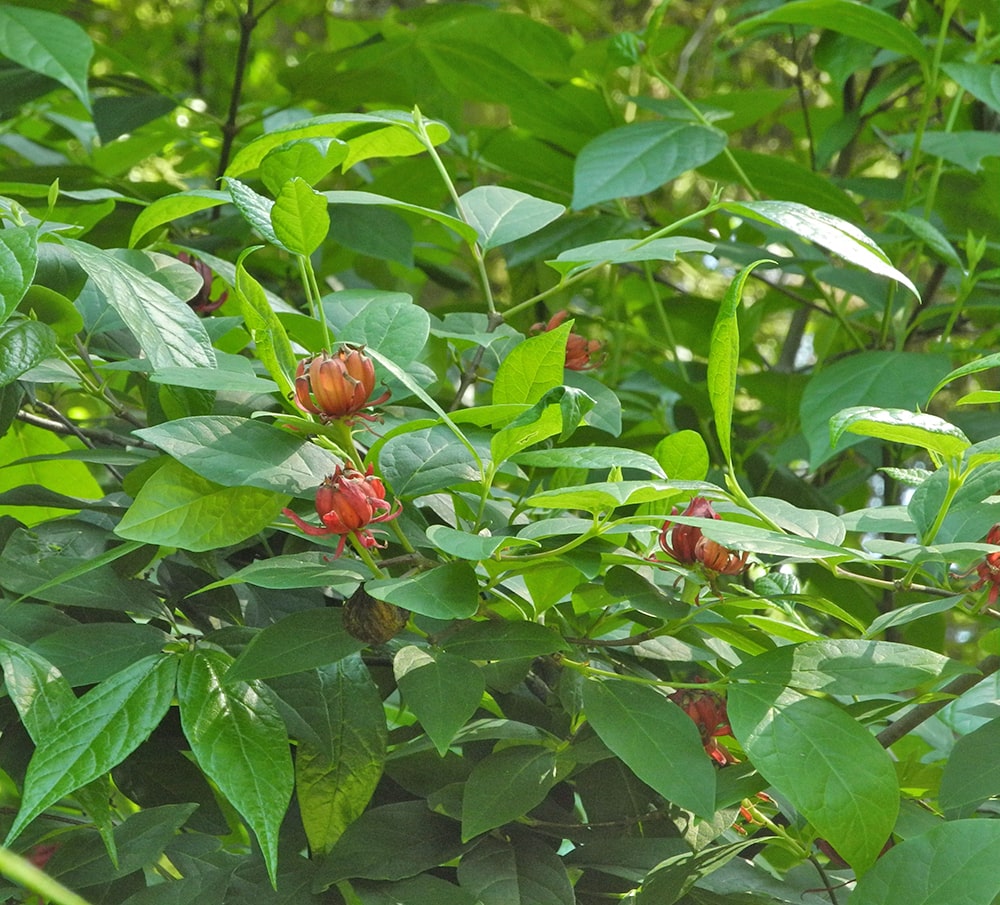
(688, 546)
(372, 621)
(203, 303)
(582, 354)
(708, 711)
(337, 386)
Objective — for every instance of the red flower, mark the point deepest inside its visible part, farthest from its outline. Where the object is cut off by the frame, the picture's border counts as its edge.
(337, 386)
(687, 545)
(582, 354)
(708, 710)
(989, 569)
(203, 302)
(347, 502)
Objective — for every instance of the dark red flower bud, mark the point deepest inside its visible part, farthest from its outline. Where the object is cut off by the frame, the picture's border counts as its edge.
(203, 302)
(989, 569)
(337, 386)
(347, 502)
(708, 711)
(582, 354)
(688, 546)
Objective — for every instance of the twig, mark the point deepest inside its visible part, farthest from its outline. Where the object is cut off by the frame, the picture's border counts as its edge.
(93, 436)
(913, 718)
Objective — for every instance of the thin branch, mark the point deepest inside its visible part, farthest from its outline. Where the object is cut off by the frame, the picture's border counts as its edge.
(248, 22)
(913, 718)
(94, 436)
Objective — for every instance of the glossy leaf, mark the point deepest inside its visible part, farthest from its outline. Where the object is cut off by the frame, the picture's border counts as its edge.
(505, 786)
(52, 45)
(501, 215)
(950, 863)
(256, 210)
(178, 508)
(299, 217)
(473, 546)
(18, 260)
(293, 570)
(623, 251)
(442, 690)
(828, 766)
(678, 874)
(23, 345)
(593, 457)
(499, 872)
(339, 763)
(504, 641)
(169, 332)
(237, 452)
(99, 731)
(448, 591)
(532, 368)
(240, 742)
(309, 159)
(655, 739)
(683, 456)
(38, 690)
(846, 666)
(637, 158)
(174, 207)
(832, 233)
(972, 775)
(901, 426)
(300, 641)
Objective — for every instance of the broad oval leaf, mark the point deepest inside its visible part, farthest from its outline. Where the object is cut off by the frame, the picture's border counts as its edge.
(532, 368)
(900, 426)
(637, 158)
(239, 740)
(442, 690)
(622, 251)
(299, 217)
(972, 772)
(828, 765)
(18, 260)
(449, 591)
(501, 215)
(656, 740)
(953, 862)
(173, 207)
(506, 785)
(23, 344)
(96, 733)
(493, 641)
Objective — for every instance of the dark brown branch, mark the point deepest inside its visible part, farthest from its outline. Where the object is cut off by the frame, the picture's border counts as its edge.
(913, 718)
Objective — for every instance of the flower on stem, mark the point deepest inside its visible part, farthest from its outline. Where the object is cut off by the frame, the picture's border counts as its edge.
(337, 386)
(347, 502)
(989, 569)
(688, 546)
(708, 710)
(582, 354)
(203, 303)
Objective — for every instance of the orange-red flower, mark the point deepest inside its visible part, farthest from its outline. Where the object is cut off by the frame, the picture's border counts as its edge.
(347, 502)
(337, 386)
(708, 710)
(203, 302)
(688, 546)
(989, 569)
(582, 354)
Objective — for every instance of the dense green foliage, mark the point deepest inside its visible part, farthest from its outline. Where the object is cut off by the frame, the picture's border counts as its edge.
(637, 360)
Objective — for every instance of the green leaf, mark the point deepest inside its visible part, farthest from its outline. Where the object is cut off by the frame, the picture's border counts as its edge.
(683, 456)
(339, 764)
(18, 260)
(670, 881)
(473, 547)
(501, 215)
(971, 774)
(506, 785)
(600, 457)
(966, 149)
(495, 641)
(298, 642)
(418, 890)
(23, 344)
(237, 452)
(449, 591)
(849, 667)
(240, 742)
(38, 690)
(637, 158)
(294, 570)
(502, 872)
(972, 367)
(427, 461)
(832, 233)
(442, 690)
(460, 227)
(168, 330)
(392, 842)
(299, 217)
(178, 508)
(52, 45)
(398, 330)
(900, 426)
(559, 411)
(95, 734)
(532, 368)
(255, 209)
(829, 766)
(911, 613)
(233, 375)
(90, 653)
(865, 23)
(888, 379)
(724, 358)
(981, 80)
(656, 740)
(952, 862)
(173, 207)
(930, 236)
(309, 159)
(623, 251)
(269, 336)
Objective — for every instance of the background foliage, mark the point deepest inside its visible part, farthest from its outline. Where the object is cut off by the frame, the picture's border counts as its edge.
(538, 673)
